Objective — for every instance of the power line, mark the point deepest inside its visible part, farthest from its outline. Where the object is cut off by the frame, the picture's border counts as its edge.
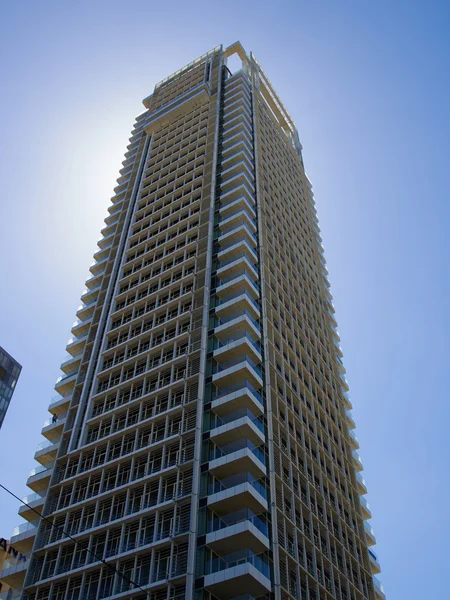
(111, 567)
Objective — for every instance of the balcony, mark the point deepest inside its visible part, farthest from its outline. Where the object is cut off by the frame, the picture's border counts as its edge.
(350, 421)
(74, 345)
(365, 508)
(374, 564)
(81, 326)
(230, 223)
(239, 166)
(238, 283)
(362, 488)
(85, 310)
(39, 477)
(46, 451)
(235, 271)
(53, 427)
(32, 502)
(236, 457)
(242, 572)
(236, 266)
(343, 381)
(236, 176)
(65, 383)
(370, 535)
(240, 322)
(239, 424)
(239, 529)
(236, 205)
(240, 395)
(59, 404)
(233, 151)
(97, 267)
(235, 155)
(239, 131)
(379, 590)
(90, 294)
(14, 569)
(237, 91)
(236, 492)
(238, 304)
(347, 402)
(70, 363)
(353, 439)
(104, 242)
(22, 537)
(240, 248)
(237, 345)
(234, 116)
(237, 87)
(241, 230)
(237, 126)
(357, 460)
(241, 367)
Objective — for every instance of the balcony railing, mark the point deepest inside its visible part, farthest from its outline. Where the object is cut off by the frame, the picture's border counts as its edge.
(217, 523)
(45, 444)
(237, 387)
(233, 200)
(226, 299)
(216, 452)
(52, 421)
(219, 485)
(23, 527)
(236, 257)
(41, 469)
(249, 274)
(236, 315)
(217, 344)
(63, 378)
(32, 497)
(378, 586)
(219, 367)
(216, 421)
(234, 228)
(259, 561)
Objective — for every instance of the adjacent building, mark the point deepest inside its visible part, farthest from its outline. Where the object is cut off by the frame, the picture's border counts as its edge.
(201, 444)
(9, 374)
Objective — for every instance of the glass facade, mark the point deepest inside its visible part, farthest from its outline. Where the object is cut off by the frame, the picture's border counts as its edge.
(9, 374)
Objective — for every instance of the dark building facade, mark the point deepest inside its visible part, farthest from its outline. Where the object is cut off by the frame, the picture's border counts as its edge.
(9, 374)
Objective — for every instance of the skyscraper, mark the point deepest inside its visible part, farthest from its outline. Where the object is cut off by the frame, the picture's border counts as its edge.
(9, 374)
(201, 442)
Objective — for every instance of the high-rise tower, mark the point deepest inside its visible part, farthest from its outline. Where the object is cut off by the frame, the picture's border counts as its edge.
(202, 444)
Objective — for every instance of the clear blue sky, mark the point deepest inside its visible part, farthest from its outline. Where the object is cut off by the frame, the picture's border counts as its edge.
(367, 84)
